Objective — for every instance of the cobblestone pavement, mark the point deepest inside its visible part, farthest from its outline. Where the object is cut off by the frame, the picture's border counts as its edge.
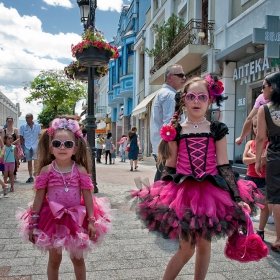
(129, 252)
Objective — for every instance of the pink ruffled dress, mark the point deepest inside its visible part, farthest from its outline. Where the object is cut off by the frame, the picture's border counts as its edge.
(63, 220)
(196, 201)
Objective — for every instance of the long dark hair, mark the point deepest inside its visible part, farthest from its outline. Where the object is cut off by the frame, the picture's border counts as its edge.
(132, 132)
(274, 81)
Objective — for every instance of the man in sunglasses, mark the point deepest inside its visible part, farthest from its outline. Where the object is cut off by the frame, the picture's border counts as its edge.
(29, 136)
(248, 122)
(163, 107)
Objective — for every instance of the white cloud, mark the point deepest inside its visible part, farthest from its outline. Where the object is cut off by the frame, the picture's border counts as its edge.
(62, 3)
(25, 50)
(110, 5)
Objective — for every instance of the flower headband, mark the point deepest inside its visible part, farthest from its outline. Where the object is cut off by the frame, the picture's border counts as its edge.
(215, 87)
(71, 125)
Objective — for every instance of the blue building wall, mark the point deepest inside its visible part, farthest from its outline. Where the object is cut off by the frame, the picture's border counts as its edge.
(121, 70)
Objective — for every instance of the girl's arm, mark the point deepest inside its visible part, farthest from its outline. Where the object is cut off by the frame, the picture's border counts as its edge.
(2, 148)
(225, 170)
(260, 139)
(172, 161)
(248, 159)
(16, 156)
(89, 206)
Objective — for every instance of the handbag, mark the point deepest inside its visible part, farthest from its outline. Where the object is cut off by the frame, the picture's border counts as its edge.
(127, 148)
(20, 153)
(245, 248)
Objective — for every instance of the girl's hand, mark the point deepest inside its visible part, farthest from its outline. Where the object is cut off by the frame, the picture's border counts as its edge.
(91, 230)
(244, 205)
(263, 160)
(31, 236)
(258, 168)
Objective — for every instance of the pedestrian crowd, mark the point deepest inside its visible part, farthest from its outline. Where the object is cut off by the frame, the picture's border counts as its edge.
(196, 196)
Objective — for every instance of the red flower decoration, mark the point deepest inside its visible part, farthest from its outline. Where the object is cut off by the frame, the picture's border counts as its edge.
(168, 133)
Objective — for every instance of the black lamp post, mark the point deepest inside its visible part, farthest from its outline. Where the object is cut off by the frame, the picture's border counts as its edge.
(87, 10)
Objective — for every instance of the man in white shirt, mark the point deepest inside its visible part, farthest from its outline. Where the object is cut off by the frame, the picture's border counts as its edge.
(29, 136)
(163, 106)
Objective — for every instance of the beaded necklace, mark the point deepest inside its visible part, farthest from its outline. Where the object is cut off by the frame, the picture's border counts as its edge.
(195, 124)
(66, 184)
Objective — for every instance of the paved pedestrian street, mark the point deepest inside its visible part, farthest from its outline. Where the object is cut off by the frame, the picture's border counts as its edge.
(128, 252)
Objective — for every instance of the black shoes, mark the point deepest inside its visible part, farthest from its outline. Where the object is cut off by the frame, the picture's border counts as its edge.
(131, 168)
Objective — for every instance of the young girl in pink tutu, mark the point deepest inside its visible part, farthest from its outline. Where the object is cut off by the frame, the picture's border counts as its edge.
(197, 197)
(64, 213)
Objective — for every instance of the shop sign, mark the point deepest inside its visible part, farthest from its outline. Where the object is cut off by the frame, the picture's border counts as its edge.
(252, 71)
(269, 36)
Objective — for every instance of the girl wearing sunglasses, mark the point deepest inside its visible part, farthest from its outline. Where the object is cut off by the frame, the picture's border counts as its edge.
(197, 197)
(64, 213)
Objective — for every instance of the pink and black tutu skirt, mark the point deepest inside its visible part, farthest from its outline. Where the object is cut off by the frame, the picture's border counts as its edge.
(192, 208)
(62, 232)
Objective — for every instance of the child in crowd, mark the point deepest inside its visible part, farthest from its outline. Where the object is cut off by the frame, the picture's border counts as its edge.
(113, 154)
(64, 213)
(10, 159)
(123, 144)
(198, 197)
(249, 158)
(5, 186)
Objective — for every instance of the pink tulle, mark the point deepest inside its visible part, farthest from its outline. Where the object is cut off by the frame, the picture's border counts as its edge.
(244, 248)
(64, 232)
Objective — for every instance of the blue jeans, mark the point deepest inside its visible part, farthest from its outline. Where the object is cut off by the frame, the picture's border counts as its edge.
(123, 155)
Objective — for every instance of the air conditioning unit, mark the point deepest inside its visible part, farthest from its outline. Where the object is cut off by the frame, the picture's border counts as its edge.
(209, 64)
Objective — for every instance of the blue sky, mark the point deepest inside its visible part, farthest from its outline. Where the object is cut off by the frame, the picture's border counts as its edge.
(37, 35)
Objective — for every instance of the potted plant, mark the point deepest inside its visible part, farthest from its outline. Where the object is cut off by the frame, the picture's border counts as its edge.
(93, 50)
(76, 71)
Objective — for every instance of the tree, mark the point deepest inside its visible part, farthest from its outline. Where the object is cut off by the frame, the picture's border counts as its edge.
(48, 114)
(53, 88)
(165, 35)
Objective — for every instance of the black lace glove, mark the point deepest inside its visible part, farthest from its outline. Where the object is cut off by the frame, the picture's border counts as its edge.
(226, 172)
(167, 170)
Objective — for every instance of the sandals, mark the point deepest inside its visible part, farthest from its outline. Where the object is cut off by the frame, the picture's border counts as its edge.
(261, 234)
(11, 189)
(5, 189)
(136, 167)
(275, 248)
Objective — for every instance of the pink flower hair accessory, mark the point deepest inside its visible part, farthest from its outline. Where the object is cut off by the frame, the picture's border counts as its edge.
(63, 123)
(168, 133)
(215, 87)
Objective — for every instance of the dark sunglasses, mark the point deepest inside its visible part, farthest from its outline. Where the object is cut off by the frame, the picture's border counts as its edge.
(68, 144)
(264, 86)
(201, 98)
(180, 75)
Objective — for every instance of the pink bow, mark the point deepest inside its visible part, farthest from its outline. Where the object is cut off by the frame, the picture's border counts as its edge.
(77, 213)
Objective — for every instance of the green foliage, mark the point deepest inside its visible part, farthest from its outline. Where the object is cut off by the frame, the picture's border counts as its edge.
(48, 114)
(52, 88)
(165, 35)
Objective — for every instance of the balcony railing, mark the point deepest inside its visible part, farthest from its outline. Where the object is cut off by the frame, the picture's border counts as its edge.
(187, 36)
(101, 110)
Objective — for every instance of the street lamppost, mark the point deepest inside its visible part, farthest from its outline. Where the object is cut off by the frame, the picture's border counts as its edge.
(87, 10)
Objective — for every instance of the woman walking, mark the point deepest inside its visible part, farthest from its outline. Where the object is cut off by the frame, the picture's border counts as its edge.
(268, 120)
(108, 147)
(134, 147)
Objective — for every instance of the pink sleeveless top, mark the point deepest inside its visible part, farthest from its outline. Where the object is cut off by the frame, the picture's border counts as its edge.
(56, 188)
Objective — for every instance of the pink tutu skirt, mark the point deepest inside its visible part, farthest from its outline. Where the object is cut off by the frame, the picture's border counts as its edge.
(53, 233)
(192, 209)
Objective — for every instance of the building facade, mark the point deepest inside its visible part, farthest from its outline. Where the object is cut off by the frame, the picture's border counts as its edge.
(8, 109)
(122, 70)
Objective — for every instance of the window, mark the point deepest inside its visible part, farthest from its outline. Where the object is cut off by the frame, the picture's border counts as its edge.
(113, 75)
(130, 59)
(120, 68)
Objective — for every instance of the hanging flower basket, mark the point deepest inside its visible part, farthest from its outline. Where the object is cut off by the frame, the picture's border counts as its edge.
(76, 71)
(94, 57)
(94, 51)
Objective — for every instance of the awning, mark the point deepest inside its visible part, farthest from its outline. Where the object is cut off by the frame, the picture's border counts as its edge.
(141, 107)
